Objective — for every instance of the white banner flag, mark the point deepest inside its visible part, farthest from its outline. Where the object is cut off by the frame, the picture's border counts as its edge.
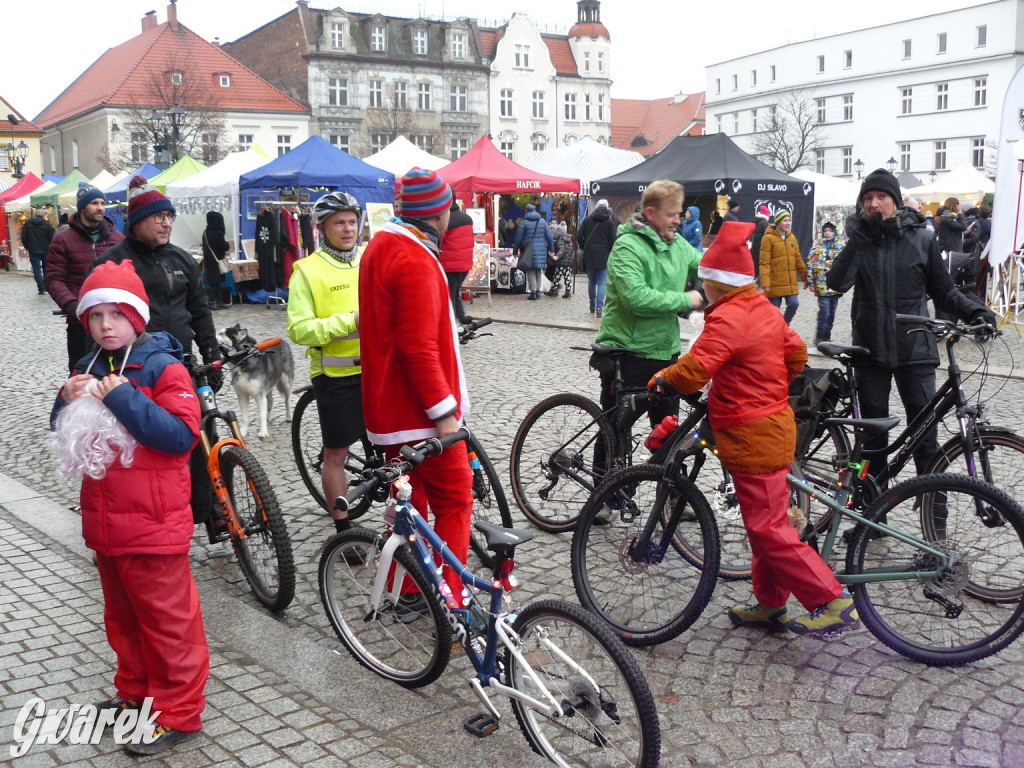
(1006, 208)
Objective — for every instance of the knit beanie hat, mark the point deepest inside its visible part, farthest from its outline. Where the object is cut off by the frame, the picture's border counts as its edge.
(424, 194)
(882, 181)
(111, 283)
(783, 214)
(145, 200)
(602, 203)
(728, 260)
(86, 194)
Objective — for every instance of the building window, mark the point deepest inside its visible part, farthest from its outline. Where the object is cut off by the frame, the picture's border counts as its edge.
(718, 85)
(941, 96)
(4, 163)
(821, 64)
(771, 115)
(337, 35)
(981, 36)
(225, 81)
(419, 42)
(377, 142)
(340, 140)
(539, 143)
(771, 73)
(600, 107)
(538, 105)
(906, 49)
(458, 46)
(753, 78)
(459, 98)
(940, 155)
(735, 82)
(140, 147)
(978, 153)
(522, 52)
(74, 154)
(376, 94)
(905, 157)
(586, 107)
(208, 142)
(847, 161)
(53, 160)
(906, 101)
(980, 91)
(819, 161)
(505, 102)
(940, 43)
(820, 105)
(424, 141)
(570, 106)
(753, 121)
(423, 96)
(508, 149)
(600, 62)
(847, 59)
(378, 38)
(718, 124)
(735, 123)
(245, 141)
(176, 78)
(586, 62)
(848, 107)
(337, 91)
(401, 95)
(284, 143)
(457, 148)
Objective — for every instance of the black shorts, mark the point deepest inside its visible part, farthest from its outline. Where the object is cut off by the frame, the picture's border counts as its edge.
(339, 400)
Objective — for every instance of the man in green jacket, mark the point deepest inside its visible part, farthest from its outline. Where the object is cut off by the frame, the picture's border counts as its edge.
(647, 275)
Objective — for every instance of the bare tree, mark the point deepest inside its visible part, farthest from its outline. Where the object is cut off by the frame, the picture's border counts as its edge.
(385, 124)
(791, 133)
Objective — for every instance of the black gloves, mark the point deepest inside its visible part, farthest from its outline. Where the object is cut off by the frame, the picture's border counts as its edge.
(870, 224)
(984, 315)
(216, 379)
(70, 308)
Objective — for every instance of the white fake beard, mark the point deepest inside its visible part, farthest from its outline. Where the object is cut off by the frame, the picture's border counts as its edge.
(88, 439)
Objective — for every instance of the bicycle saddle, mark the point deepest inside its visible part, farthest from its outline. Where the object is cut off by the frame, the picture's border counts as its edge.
(877, 426)
(835, 350)
(497, 536)
(601, 349)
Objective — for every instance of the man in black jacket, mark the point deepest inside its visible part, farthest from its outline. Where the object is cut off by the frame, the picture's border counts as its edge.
(596, 236)
(893, 265)
(36, 235)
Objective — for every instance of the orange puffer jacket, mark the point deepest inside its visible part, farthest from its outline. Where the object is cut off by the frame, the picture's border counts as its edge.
(782, 269)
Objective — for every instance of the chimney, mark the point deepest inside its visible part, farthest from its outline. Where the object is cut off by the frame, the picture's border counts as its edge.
(149, 21)
(172, 15)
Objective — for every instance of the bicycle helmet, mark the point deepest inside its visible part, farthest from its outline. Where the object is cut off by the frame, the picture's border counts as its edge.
(333, 202)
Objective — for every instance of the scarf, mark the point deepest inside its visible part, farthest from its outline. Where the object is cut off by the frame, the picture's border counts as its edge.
(345, 257)
(425, 233)
(640, 223)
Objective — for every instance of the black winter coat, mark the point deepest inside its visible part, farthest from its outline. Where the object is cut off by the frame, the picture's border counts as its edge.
(36, 235)
(949, 232)
(896, 275)
(596, 237)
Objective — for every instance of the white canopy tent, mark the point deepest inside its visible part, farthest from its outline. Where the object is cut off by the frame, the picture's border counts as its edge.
(101, 181)
(215, 189)
(828, 190)
(585, 160)
(401, 155)
(964, 182)
(24, 204)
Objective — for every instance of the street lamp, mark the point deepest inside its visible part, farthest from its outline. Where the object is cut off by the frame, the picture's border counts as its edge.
(931, 176)
(891, 164)
(858, 167)
(16, 155)
(168, 134)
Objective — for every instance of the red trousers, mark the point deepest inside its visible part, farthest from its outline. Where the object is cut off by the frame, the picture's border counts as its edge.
(782, 564)
(154, 625)
(442, 488)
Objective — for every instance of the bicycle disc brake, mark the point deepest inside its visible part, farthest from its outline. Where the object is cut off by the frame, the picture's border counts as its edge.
(949, 585)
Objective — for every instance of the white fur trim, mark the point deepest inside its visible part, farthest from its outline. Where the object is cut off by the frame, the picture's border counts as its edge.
(721, 276)
(112, 296)
(447, 405)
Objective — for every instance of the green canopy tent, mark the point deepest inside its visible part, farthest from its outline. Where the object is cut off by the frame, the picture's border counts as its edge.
(185, 167)
(52, 195)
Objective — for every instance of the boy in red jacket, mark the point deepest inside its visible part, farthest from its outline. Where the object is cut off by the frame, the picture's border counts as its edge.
(749, 354)
(126, 421)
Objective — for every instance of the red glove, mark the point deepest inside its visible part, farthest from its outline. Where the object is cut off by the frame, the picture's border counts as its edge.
(660, 432)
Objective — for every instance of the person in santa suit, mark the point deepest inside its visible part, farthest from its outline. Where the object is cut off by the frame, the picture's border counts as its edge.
(414, 387)
(125, 423)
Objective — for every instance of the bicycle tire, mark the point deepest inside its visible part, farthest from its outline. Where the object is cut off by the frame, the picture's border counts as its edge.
(410, 654)
(645, 601)
(916, 617)
(265, 551)
(568, 427)
(608, 705)
(489, 502)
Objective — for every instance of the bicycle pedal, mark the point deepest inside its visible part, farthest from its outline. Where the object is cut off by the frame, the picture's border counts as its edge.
(481, 724)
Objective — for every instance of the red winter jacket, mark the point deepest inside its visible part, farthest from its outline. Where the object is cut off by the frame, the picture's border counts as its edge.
(457, 244)
(71, 252)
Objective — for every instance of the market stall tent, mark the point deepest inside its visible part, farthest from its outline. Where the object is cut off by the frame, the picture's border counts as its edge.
(24, 204)
(401, 155)
(485, 169)
(185, 167)
(586, 160)
(101, 181)
(24, 186)
(118, 191)
(964, 182)
(51, 196)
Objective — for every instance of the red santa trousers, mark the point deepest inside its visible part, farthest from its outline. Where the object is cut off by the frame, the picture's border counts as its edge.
(782, 564)
(442, 488)
(155, 627)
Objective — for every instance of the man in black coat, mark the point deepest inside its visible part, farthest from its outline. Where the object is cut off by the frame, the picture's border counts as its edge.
(596, 236)
(36, 235)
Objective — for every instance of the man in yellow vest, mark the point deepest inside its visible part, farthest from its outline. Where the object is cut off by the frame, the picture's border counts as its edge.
(323, 314)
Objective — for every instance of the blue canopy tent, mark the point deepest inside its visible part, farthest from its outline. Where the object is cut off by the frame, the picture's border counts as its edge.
(118, 191)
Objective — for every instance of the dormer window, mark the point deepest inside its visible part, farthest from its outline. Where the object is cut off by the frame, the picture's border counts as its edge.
(176, 78)
(337, 35)
(419, 42)
(378, 38)
(225, 81)
(458, 46)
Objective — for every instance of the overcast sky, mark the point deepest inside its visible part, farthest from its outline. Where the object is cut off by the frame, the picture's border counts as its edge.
(659, 47)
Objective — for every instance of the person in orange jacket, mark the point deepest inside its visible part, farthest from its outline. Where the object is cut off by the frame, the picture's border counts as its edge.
(750, 354)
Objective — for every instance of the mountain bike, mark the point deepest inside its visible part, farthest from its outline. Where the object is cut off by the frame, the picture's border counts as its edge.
(489, 502)
(250, 517)
(578, 695)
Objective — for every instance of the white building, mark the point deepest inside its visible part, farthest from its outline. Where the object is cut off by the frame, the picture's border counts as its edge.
(926, 93)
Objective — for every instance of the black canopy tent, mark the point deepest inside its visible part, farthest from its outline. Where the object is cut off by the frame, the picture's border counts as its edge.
(709, 166)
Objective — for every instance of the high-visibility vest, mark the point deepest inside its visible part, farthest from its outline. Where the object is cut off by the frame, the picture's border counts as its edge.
(334, 287)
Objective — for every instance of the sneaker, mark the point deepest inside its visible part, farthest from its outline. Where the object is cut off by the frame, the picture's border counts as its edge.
(593, 309)
(162, 739)
(567, 294)
(552, 293)
(757, 615)
(411, 607)
(116, 702)
(833, 617)
(599, 311)
(872, 534)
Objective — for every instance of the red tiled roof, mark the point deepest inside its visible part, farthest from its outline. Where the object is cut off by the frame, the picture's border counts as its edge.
(659, 121)
(490, 38)
(126, 73)
(561, 55)
(589, 29)
(23, 126)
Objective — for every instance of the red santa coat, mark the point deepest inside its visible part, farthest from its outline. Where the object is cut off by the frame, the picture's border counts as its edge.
(412, 371)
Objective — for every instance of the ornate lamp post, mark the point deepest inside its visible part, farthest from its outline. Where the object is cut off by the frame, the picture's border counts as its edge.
(891, 164)
(16, 155)
(167, 129)
(858, 167)
(931, 177)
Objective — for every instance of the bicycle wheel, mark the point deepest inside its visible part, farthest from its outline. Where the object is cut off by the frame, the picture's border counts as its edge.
(264, 551)
(411, 654)
(647, 597)
(489, 502)
(820, 465)
(609, 715)
(552, 468)
(943, 621)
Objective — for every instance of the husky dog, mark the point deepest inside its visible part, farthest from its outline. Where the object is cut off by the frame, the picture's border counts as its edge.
(258, 376)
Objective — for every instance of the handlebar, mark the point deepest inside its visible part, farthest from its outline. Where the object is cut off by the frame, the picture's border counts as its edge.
(943, 328)
(468, 331)
(410, 456)
(234, 357)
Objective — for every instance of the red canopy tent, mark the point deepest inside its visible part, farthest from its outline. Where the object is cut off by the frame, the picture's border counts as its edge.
(485, 169)
(25, 186)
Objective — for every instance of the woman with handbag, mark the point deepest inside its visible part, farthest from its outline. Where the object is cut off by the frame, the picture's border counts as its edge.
(533, 243)
(215, 256)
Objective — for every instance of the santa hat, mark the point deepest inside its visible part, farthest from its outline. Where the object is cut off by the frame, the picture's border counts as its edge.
(763, 213)
(111, 283)
(728, 261)
(145, 200)
(424, 194)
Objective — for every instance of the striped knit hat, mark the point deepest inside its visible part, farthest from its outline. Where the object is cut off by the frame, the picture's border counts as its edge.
(144, 200)
(424, 194)
(111, 283)
(782, 214)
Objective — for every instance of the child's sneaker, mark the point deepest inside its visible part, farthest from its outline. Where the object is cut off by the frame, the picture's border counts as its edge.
(757, 615)
(830, 618)
(161, 738)
(116, 702)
